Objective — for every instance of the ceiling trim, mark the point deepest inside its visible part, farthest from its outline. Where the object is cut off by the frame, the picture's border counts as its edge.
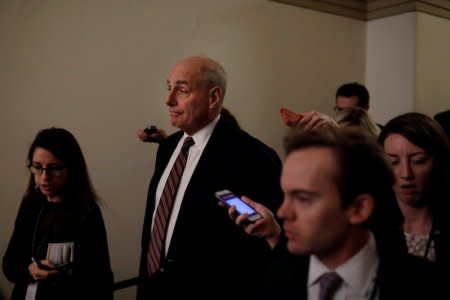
(374, 9)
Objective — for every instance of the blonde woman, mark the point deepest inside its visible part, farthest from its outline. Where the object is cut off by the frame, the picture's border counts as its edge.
(355, 116)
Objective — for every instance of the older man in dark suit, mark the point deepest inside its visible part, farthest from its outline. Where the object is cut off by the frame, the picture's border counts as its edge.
(201, 249)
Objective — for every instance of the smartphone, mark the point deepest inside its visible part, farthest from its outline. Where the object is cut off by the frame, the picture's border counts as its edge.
(58, 267)
(231, 199)
(41, 265)
(150, 129)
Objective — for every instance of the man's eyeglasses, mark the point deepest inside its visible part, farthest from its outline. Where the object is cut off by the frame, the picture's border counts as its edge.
(337, 108)
(51, 170)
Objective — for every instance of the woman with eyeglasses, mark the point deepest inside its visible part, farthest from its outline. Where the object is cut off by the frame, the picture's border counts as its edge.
(58, 249)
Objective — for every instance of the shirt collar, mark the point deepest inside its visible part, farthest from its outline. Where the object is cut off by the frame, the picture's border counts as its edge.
(202, 136)
(358, 272)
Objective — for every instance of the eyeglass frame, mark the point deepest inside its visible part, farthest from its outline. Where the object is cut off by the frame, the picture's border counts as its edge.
(51, 170)
(337, 108)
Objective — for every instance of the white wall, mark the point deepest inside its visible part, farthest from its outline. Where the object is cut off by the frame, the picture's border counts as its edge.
(390, 65)
(433, 64)
(408, 65)
(98, 68)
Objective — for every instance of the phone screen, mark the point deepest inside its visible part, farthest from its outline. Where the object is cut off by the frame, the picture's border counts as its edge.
(231, 199)
(241, 206)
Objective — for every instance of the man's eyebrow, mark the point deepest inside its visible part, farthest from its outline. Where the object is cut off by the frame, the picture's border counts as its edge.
(410, 154)
(303, 192)
(178, 82)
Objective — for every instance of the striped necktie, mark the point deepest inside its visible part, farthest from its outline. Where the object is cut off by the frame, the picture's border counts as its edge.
(329, 283)
(157, 239)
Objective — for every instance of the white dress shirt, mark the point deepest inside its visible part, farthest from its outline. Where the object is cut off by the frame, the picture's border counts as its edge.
(358, 274)
(201, 138)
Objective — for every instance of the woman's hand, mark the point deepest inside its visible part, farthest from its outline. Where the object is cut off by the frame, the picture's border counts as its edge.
(39, 273)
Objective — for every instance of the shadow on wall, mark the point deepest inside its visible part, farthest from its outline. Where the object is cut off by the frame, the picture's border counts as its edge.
(443, 118)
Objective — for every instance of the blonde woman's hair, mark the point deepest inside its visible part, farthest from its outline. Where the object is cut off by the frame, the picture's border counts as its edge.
(357, 117)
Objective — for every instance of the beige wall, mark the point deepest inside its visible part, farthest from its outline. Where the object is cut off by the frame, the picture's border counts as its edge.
(390, 65)
(433, 64)
(408, 65)
(98, 68)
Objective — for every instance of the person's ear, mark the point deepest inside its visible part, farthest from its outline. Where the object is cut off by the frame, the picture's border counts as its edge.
(215, 96)
(361, 209)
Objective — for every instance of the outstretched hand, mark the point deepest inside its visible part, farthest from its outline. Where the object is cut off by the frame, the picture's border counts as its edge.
(289, 117)
(155, 137)
(306, 120)
(315, 119)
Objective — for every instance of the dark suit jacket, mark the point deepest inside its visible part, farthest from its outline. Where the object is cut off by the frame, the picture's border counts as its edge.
(399, 276)
(208, 251)
(441, 238)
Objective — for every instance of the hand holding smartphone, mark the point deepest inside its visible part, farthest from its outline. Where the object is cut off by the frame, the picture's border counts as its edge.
(150, 129)
(43, 266)
(230, 199)
(151, 134)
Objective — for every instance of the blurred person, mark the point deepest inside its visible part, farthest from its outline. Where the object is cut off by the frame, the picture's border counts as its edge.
(352, 94)
(58, 249)
(268, 227)
(200, 248)
(420, 155)
(355, 116)
(328, 213)
(348, 95)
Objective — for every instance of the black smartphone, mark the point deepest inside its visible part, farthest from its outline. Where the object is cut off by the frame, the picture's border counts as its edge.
(42, 266)
(150, 129)
(58, 267)
(231, 199)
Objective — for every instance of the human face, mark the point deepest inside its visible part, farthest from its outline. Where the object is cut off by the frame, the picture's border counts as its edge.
(313, 218)
(412, 166)
(50, 185)
(188, 97)
(345, 102)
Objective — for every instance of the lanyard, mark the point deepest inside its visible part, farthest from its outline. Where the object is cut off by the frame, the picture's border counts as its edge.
(34, 251)
(431, 236)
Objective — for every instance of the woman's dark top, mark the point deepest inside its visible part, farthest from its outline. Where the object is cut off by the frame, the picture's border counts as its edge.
(41, 225)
